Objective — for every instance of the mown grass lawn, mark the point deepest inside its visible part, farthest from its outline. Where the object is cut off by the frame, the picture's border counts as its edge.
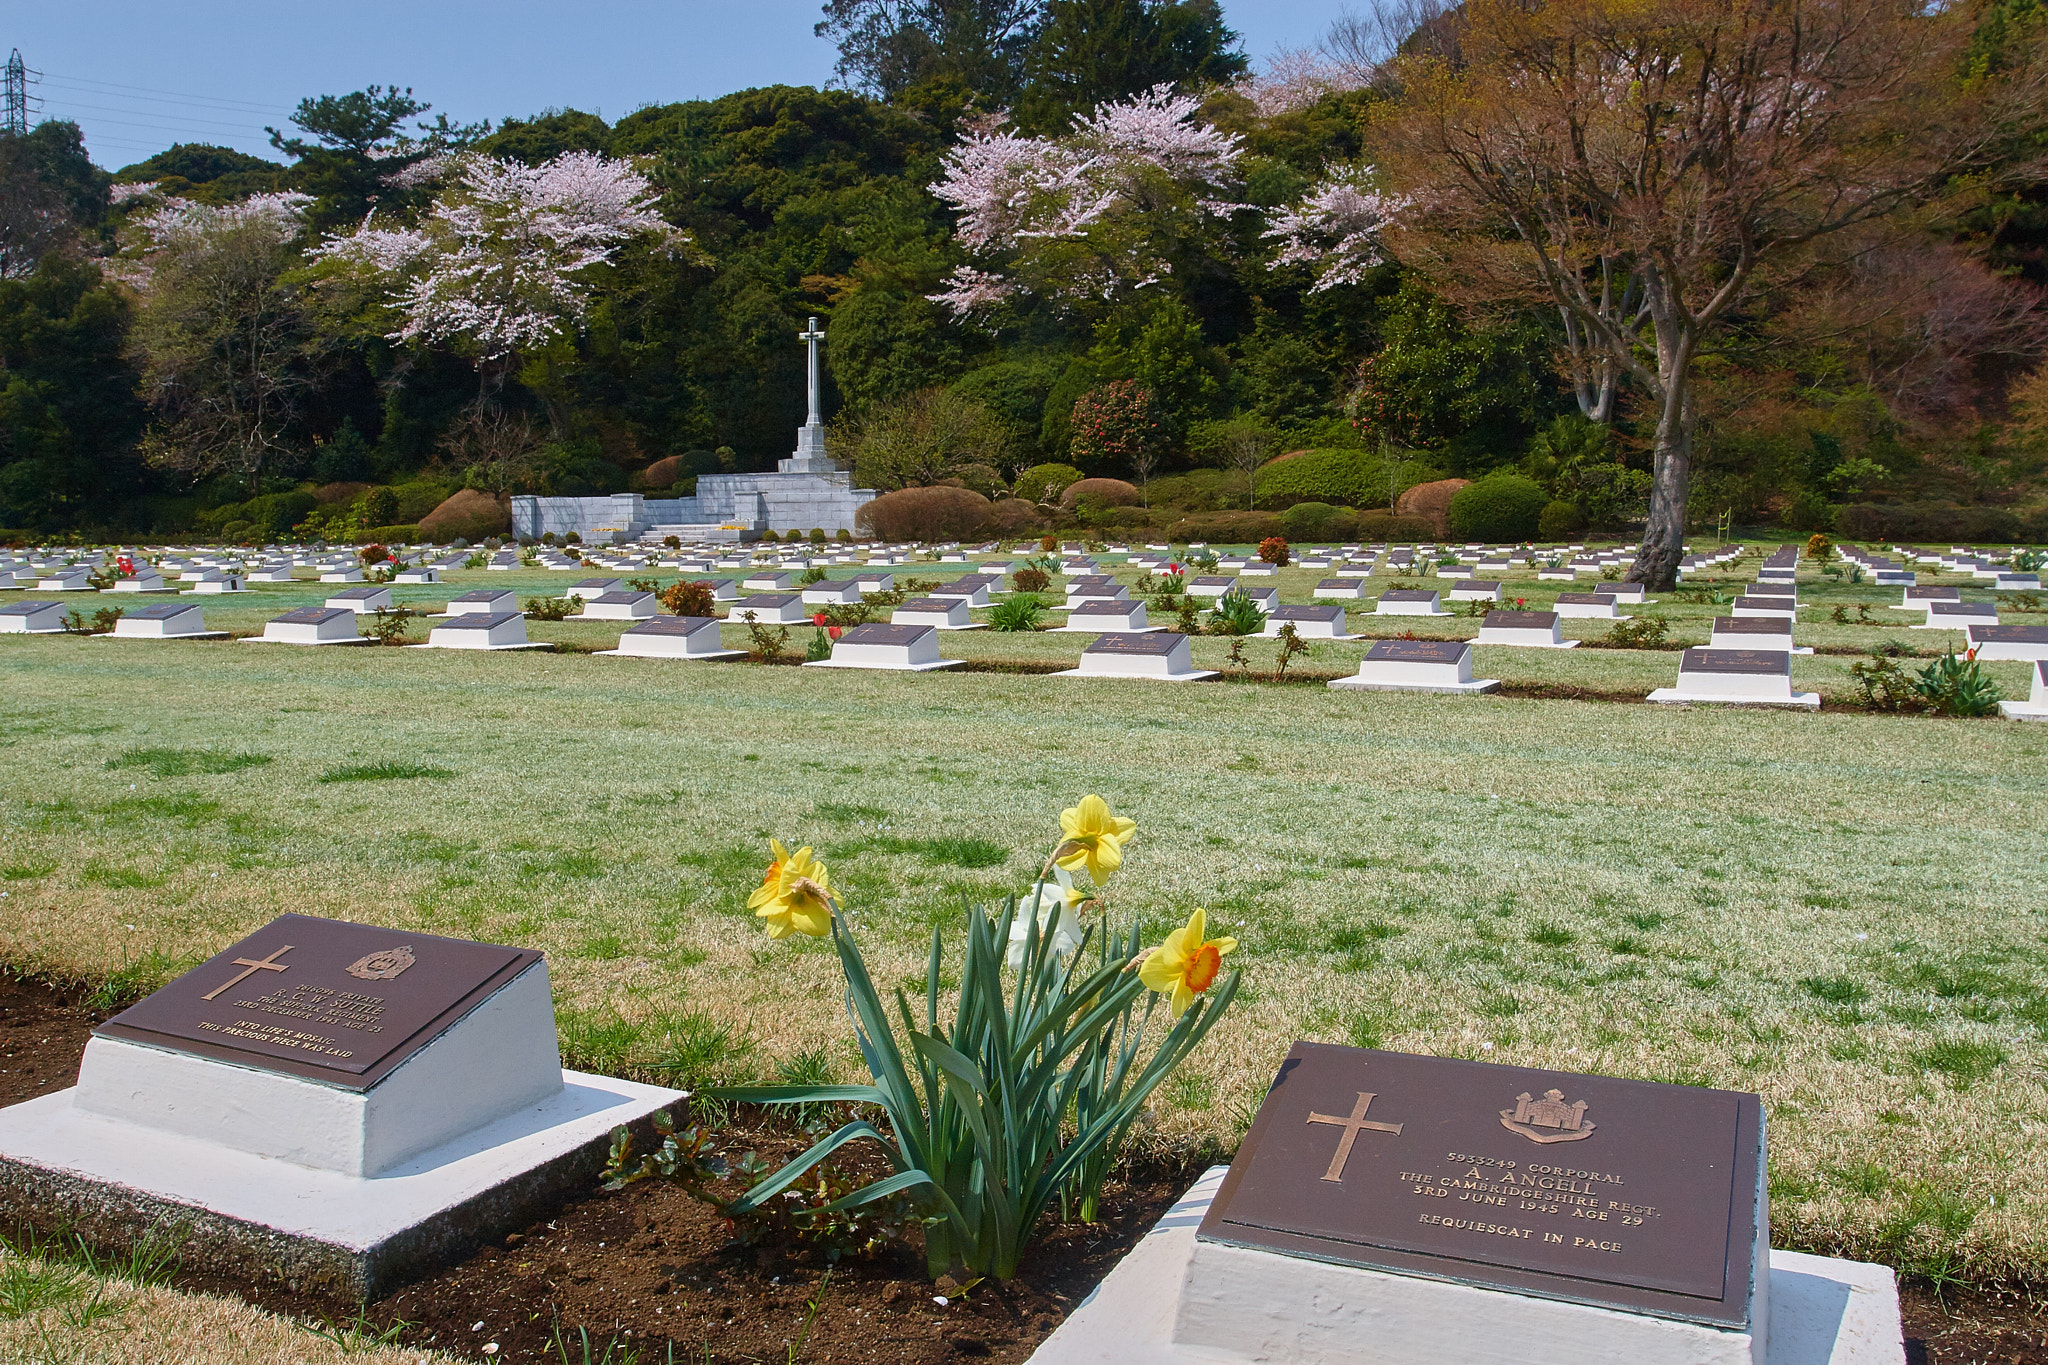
(1841, 912)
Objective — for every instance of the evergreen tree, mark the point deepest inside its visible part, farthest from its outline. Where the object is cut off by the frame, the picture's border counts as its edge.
(1087, 52)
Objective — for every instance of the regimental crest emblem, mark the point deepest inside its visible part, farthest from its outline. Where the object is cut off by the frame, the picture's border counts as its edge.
(1547, 1120)
(386, 963)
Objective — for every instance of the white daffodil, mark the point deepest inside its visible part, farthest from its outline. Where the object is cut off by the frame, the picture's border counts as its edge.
(1055, 904)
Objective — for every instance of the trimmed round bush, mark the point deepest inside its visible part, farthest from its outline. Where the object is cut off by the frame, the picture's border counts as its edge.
(1108, 492)
(380, 507)
(1430, 502)
(937, 513)
(470, 514)
(1560, 520)
(1306, 521)
(1498, 507)
(1045, 482)
(1341, 478)
(1012, 518)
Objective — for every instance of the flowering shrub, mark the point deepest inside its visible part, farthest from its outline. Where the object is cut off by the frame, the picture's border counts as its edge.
(1274, 551)
(688, 599)
(1025, 1090)
(1112, 425)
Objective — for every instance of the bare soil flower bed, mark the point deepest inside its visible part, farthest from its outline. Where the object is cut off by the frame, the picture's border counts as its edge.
(648, 1266)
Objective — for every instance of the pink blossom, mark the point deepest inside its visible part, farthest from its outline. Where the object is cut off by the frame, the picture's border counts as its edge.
(180, 222)
(1012, 192)
(968, 289)
(1335, 231)
(497, 264)
(1295, 78)
(121, 194)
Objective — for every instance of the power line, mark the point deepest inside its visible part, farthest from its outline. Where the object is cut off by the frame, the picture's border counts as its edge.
(180, 119)
(248, 106)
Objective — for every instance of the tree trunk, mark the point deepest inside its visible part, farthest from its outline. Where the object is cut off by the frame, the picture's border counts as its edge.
(1656, 563)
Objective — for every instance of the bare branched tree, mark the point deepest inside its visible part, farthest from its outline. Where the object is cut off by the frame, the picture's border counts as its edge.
(1646, 167)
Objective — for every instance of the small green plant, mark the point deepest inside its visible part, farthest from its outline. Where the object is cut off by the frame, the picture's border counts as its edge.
(767, 646)
(644, 584)
(1641, 632)
(386, 625)
(2030, 561)
(1952, 686)
(1882, 685)
(478, 560)
(1236, 614)
(359, 1335)
(819, 646)
(1292, 646)
(99, 623)
(1021, 612)
(811, 1215)
(814, 574)
(549, 608)
(1185, 620)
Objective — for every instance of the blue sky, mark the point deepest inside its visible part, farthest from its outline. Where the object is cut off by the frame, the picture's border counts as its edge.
(139, 76)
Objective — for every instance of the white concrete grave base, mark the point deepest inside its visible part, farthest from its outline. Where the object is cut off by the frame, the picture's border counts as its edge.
(335, 627)
(267, 1220)
(920, 655)
(1822, 1312)
(2035, 707)
(497, 1059)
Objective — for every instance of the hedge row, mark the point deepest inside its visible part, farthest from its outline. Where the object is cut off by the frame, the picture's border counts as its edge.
(1917, 521)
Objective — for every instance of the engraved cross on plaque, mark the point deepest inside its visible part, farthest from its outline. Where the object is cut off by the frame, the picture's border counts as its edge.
(1352, 1126)
(269, 964)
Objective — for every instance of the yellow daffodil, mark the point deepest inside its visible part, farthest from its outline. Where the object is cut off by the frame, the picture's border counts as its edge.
(795, 895)
(1094, 838)
(1186, 964)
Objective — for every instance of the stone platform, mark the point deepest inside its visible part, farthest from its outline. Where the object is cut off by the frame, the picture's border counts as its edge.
(337, 1237)
(1822, 1312)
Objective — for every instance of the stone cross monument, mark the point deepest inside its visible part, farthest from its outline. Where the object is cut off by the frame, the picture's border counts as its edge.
(810, 457)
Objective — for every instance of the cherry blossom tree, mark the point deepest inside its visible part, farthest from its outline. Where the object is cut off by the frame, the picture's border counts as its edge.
(1335, 230)
(221, 336)
(501, 262)
(1087, 214)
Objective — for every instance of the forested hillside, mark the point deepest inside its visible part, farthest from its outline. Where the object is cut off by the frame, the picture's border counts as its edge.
(1086, 236)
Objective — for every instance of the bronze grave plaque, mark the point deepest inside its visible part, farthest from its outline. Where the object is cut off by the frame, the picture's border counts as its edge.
(1149, 644)
(323, 999)
(1702, 659)
(1417, 651)
(876, 633)
(1623, 1194)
